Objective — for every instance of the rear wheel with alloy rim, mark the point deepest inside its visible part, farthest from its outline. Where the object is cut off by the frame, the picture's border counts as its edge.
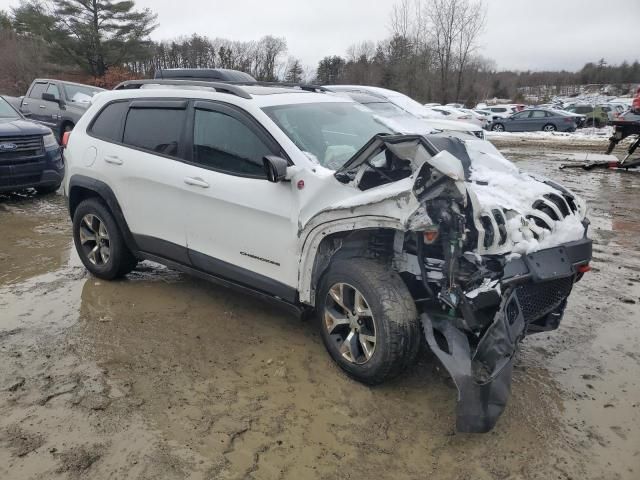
(368, 319)
(99, 241)
(549, 127)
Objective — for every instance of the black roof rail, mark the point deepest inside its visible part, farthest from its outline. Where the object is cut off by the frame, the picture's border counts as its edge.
(307, 87)
(217, 86)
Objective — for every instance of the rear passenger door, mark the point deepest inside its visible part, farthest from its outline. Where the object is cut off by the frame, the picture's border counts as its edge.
(239, 225)
(140, 151)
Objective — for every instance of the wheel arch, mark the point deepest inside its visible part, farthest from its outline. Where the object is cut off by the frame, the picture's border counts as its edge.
(341, 238)
(82, 188)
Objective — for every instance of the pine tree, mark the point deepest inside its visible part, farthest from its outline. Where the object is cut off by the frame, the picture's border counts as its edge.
(294, 72)
(94, 34)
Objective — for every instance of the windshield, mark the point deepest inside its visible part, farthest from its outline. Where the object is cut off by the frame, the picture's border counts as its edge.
(410, 105)
(330, 132)
(6, 110)
(386, 108)
(80, 93)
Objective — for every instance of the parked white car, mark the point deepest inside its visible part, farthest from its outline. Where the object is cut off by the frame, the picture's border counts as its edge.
(410, 106)
(308, 200)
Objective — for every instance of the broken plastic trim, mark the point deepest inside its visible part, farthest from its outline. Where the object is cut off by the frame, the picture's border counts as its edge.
(483, 375)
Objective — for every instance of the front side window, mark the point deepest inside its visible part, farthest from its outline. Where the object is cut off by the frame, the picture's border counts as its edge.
(520, 116)
(222, 142)
(538, 114)
(108, 123)
(53, 90)
(37, 90)
(330, 132)
(155, 129)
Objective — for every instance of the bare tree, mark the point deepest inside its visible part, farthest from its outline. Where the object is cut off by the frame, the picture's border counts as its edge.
(472, 20)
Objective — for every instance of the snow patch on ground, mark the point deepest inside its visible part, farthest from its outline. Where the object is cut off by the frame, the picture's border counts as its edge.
(582, 135)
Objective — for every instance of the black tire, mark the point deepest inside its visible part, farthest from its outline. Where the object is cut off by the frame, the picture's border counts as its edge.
(394, 314)
(46, 190)
(120, 260)
(498, 127)
(549, 127)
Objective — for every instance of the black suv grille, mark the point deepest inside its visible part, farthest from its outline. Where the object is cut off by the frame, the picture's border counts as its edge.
(539, 299)
(23, 148)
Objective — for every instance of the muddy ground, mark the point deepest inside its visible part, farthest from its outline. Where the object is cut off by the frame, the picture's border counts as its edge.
(162, 376)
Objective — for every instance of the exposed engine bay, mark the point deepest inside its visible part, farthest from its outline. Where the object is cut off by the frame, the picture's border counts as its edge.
(490, 255)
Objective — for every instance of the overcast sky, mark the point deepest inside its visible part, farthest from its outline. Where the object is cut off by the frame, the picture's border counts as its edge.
(520, 34)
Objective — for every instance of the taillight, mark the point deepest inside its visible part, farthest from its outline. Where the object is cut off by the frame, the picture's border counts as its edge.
(464, 117)
(584, 268)
(65, 138)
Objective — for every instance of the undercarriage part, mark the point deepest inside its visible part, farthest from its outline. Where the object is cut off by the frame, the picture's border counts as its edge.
(623, 129)
(482, 368)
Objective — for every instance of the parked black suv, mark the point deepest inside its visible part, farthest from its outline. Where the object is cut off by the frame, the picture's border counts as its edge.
(57, 104)
(29, 154)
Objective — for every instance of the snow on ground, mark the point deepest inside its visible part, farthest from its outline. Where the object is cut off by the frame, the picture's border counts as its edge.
(583, 134)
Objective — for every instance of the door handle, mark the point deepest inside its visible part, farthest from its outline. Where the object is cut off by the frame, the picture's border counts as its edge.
(25, 104)
(43, 106)
(196, 182)
(112, 159)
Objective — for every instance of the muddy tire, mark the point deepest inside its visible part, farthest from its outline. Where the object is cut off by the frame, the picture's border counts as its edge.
(99, 241)
(367, 319)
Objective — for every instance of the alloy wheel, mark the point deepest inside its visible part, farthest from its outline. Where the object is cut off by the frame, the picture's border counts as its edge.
(94, 239)
(349, 323)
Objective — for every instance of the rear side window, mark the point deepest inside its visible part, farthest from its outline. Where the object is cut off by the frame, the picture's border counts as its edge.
(224, 143)
(37, 90)
(155, 129)
(108, 123)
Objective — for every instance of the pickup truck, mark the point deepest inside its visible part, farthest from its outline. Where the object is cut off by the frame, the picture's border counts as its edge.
(57, 104)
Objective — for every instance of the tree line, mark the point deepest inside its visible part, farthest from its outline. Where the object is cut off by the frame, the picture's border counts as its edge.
(431, 53)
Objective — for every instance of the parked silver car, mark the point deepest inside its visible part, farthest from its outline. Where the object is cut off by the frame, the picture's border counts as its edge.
(534, 120)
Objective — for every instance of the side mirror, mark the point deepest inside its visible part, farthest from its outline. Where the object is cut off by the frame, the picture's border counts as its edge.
(49, 97)
(275, 168)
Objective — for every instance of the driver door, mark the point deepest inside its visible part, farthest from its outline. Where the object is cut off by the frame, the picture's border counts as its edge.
(239, 225)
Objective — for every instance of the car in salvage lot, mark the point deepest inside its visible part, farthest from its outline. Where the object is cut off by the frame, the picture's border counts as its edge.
(29, 154)
(383, 235)
(57, 104)
(532, 120)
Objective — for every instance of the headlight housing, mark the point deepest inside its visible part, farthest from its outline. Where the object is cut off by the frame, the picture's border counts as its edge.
(50, 140)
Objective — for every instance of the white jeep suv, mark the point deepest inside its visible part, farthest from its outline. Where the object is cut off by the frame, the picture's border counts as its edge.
(307, 199)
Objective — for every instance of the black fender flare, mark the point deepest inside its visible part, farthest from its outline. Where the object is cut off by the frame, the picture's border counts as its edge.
(80, 184)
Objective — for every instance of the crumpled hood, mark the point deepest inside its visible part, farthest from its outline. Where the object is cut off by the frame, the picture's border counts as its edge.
(512, 211)
(537, 212)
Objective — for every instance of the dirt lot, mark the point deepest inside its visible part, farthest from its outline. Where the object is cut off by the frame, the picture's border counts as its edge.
(162, 376)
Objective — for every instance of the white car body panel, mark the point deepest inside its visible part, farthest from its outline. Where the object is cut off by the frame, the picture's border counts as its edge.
(234, 214)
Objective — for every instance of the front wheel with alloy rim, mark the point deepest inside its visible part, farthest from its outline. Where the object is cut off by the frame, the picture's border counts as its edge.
(498, 127)
(368, 319)
(99, 241)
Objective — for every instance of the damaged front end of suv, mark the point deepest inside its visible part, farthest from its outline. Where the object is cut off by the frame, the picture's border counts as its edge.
(489, 253)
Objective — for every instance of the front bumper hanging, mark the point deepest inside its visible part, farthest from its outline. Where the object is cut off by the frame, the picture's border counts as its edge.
(535, 289)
